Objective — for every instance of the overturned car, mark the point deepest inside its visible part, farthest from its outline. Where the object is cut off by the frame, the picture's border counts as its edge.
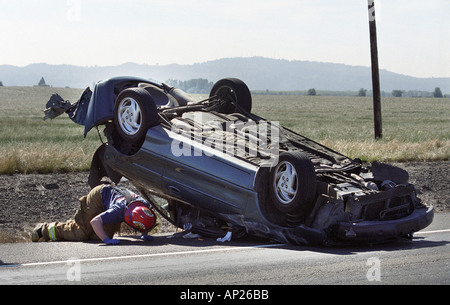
(213, 167)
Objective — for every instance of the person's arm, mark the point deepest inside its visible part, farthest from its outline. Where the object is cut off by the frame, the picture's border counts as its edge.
(97, 226)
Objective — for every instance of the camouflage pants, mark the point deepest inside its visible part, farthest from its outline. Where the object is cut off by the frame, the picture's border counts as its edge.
(79, 228)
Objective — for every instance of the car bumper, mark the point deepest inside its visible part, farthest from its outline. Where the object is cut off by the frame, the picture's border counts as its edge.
(387, 229)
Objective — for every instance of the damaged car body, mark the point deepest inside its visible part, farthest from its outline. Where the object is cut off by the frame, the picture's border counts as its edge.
(213, 167)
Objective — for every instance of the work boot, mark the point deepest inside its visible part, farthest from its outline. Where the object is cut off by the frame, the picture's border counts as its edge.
(37, 233)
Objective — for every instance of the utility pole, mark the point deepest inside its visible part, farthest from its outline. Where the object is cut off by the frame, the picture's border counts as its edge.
(375, 71)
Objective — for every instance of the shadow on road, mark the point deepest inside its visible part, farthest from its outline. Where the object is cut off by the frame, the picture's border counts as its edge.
(248, 241)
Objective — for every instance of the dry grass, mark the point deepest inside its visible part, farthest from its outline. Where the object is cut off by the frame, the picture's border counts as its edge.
(46, 157)
(394, 150)
(13, 237)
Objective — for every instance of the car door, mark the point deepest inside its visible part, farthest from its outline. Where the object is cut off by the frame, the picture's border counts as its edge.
(213, 182)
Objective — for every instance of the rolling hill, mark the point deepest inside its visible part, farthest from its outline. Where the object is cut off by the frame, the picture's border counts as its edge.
(258, 72)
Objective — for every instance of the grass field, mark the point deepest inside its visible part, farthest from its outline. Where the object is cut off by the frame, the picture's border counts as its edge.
(29, 144)
(413, 128)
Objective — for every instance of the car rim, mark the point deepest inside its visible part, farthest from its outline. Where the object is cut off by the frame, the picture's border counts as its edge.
(285, 182)
(129, 114)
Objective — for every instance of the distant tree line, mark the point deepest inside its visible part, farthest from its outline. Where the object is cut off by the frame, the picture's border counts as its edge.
(197, 85)
(203, 86)
(437, 93)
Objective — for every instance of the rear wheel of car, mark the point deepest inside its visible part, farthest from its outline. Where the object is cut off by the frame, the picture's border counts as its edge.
(134, 113)
(293, 185)
(235, 93)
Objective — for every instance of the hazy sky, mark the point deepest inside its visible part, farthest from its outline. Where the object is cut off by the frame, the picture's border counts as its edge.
(413, 35)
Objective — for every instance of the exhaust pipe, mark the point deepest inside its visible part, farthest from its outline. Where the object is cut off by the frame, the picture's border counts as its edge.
(182, 97)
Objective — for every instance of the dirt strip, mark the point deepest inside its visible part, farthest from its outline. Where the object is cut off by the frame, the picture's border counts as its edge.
(29, 199)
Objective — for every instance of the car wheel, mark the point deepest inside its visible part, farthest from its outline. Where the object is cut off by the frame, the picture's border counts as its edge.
(293, 184)
(134, 113)
(235, 93)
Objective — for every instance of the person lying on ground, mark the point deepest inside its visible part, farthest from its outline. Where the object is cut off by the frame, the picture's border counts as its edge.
(99, 216)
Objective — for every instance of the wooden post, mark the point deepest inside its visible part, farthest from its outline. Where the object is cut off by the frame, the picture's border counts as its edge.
(375, 71)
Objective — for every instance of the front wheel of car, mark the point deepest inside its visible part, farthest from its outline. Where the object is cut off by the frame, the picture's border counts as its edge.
(134, 113)
(293, 184)
(235, 95)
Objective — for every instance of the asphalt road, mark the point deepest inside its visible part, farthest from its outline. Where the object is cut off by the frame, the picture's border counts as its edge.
(424, 260)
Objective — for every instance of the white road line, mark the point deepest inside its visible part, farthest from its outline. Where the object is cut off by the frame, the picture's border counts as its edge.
(432, 232)
(173, 253)
(140, 256)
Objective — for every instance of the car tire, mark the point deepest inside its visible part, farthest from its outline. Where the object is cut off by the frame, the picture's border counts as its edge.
(293, 185)
(235, 92)
(134, 113)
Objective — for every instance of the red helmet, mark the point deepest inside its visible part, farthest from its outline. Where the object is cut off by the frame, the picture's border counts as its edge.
(139, 216)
